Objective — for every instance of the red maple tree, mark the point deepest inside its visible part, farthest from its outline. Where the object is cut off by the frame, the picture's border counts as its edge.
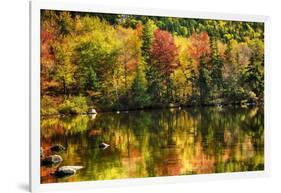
(164, 52)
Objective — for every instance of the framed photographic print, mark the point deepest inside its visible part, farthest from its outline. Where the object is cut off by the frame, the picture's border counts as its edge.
(122, 96)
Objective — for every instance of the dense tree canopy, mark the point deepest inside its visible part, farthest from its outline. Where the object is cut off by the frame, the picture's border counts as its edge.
(121, 62)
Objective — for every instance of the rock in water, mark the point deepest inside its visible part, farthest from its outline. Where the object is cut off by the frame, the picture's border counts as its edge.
(57, 148)
(103, 145)
(52, 159)
(93, 111)
(67, 170)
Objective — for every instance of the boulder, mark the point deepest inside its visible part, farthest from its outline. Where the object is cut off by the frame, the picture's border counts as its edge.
(103, 145)
(57, 148)
(52, 159)
(67, 171)
(93, 111)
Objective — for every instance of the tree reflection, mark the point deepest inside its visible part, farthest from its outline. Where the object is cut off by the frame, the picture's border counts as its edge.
(158, 143)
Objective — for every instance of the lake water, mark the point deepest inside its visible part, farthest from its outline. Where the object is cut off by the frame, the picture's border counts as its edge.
(157, 143)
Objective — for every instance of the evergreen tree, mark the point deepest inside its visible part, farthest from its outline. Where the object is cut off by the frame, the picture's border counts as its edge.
(253, 77)
(216, 67)
(91, 80)
(204, 81)
(139, 95)
(147, 37)
(150, 72)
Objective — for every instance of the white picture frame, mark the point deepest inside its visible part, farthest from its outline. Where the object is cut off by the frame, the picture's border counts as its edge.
(36, 6)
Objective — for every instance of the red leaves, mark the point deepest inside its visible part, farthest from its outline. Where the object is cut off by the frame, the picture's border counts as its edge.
(200, 45)
(164, 51)
(139, 29)
(46, 42)
(46, 36)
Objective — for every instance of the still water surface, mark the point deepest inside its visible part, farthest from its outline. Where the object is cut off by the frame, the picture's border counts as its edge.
(157, 143)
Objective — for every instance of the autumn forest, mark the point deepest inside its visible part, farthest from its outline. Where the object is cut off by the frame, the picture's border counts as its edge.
(131, 96)
(124, 62)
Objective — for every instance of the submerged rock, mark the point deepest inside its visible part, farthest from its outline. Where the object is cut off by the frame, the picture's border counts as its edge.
(103, 145)
(57, 148)
(67, 171)
(52, 159)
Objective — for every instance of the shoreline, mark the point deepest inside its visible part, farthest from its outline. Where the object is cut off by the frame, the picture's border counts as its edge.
(234, 105)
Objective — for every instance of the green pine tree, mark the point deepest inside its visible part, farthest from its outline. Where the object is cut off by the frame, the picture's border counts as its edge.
(139, 89)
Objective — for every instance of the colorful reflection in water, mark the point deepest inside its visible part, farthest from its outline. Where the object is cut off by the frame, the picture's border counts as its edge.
(157, 143)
